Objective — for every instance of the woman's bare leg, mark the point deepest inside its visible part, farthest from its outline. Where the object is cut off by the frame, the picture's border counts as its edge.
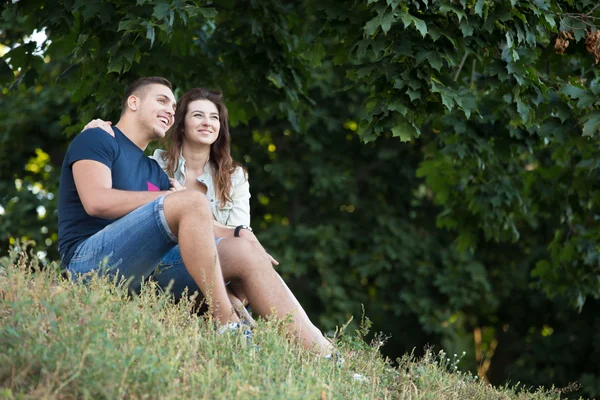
(254, 279)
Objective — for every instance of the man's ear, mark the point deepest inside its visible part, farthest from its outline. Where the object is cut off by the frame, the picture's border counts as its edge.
(132, 102)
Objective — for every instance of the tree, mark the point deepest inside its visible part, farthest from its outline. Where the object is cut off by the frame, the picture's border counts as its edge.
(433, 160)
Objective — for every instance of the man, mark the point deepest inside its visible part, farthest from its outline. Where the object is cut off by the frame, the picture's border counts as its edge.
(112, 204)
(118, 214)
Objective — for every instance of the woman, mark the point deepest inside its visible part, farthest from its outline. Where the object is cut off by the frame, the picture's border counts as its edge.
(198, 158)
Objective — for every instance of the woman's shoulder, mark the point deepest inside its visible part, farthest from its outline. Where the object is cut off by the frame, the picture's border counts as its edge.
(239, 174)
(160, 156)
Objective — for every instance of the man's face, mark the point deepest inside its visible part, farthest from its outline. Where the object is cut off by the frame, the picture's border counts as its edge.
(156, 109)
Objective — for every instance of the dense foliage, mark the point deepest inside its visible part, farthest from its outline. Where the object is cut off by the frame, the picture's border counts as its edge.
(436, 161)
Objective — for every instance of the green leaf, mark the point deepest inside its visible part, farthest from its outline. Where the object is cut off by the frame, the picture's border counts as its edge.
(466, 28)
(520, 15)
(6, 73)
(371, 103)
(365, 132)
(420, 25)
(413, 94)
(448, 97)
(20, 56)
(435, 61)
(115, 65)
(208, 12)
(431, 56)
(446, 8)
(409, 20)
(127, 25)
(591, 123)
(405, 131)
(129, 54)
(562, 111)
(161, 11)
(183, 16)
(315, 54)
(523, 109)
(386, 22)
(466, 101)
(340, 57)
(465, 241)
(276, 80)
(362, 47)
(479, 7)
(87, 9)
(372, 26)
(434, 33)
(150, 34)
(585, 97)
(398, 107)
(447, 100)
(550, 19)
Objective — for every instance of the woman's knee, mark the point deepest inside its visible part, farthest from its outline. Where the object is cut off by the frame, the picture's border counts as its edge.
(244, 257)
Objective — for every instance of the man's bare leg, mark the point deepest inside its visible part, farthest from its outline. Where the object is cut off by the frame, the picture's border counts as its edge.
(189, 217)
(247, 265)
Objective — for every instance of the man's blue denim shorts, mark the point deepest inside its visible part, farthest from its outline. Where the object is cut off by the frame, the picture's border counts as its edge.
(137, 246)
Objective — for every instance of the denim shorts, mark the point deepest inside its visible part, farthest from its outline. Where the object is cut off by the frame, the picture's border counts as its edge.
(137, 246)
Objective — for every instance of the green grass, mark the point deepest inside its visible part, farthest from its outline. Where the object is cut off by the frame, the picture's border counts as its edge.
(64, 340)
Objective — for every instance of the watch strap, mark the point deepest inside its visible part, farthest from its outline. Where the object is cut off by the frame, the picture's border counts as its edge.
(236, 232)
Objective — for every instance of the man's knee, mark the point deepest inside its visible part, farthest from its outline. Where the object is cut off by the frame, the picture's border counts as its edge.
(188, 202)
(197, 201)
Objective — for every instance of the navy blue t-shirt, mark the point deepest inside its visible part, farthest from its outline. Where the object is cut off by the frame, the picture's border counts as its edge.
(130, 170)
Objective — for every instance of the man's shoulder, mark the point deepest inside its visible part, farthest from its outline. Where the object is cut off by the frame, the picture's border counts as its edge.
(94, 144)
(94, 137)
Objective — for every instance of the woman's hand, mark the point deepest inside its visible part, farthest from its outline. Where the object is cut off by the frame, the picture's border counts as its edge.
(240, 308)
(246, 234)
(99, 123)
(175, 185)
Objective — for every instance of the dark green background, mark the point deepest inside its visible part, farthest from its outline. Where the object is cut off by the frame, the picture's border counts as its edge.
(434, 161)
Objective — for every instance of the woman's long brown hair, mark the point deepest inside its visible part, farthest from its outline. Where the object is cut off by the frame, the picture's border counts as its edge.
(220, 159)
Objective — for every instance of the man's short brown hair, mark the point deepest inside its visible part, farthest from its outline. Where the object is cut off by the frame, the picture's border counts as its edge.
(141, 83)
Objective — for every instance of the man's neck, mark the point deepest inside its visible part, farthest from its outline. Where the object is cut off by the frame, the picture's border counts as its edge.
(133, 132)
(196, 157)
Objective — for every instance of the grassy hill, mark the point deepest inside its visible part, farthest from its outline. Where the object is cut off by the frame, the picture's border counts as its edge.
(64, 340)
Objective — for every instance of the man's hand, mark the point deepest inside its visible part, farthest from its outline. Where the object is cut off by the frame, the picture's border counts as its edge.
(246, 234)
(175, 185)
(99, 123)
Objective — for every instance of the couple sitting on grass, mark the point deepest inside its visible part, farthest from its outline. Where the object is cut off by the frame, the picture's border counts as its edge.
(180, 217)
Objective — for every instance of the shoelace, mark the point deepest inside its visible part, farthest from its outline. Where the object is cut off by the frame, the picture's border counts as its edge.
(235, 326)
(336, 358)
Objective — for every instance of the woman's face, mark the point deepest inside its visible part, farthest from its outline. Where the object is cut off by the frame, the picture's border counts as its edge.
(202, 122)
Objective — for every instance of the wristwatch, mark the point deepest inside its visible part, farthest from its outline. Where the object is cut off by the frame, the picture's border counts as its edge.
(238, 228)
